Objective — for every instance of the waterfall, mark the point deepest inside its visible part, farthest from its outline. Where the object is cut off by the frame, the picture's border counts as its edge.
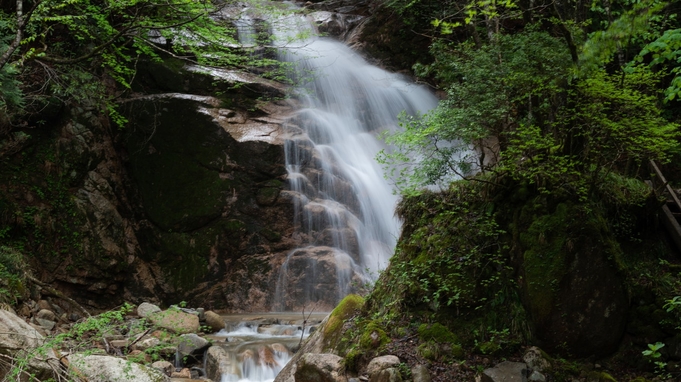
(344, 207)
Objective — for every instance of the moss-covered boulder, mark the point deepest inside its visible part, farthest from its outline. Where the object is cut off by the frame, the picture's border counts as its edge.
(571, 283)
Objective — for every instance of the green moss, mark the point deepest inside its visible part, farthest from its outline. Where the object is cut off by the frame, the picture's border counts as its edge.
(437, 332)
(489, 348)
(429, 350)
(373, 336)
(351, 360)
(545, 258)
(598, 376)
(457, 352)
(344, 310)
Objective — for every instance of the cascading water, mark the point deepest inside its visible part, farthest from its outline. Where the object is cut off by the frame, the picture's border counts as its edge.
(258, 347)
(344, 206)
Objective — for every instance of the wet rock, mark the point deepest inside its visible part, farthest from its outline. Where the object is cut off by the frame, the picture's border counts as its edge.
(380, 363)
(111, 369)
(315, 269)
(218, 363)
(146, 309)
(192, 345)
(319, 368)
(420, 373)
(329, 23)
(18, 336)
(280, 349)
(176, 321)
(214, 321)
(184, 373)
(506, 372)
(164, 366)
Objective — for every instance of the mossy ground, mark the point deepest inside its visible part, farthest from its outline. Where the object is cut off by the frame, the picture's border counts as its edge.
(474, 241)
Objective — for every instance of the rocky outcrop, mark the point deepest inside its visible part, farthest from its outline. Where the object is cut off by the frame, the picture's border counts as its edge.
(182, 203)
(19, 342)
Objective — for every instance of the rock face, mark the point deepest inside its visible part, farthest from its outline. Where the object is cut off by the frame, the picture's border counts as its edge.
(314, 268)
(182, 203)
(209, 179)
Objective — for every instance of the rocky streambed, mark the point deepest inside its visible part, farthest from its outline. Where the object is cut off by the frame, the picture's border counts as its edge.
(145, 343)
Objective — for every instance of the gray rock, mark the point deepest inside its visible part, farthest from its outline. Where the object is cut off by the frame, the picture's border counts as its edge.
(145, 309)
(319, 368)
(537, 377)
(111, 369)
(192, 344)
(218, 363)
(147, 343)
(176, 321)
(17, 336)
(46, 324)
(214, 320)
(506, 372)
(46, 315)
(387, 375)
(164, 366)
(534, 359)
(380, 363)
(420, 373)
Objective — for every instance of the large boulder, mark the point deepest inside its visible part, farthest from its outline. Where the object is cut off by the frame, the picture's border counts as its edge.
(319, 368)
(146, 309)
(214, 321)
(192, 345)
(98, 368)
(218, 363)
(572, 287)
(19, 341)
(176, 321)
(381, 363)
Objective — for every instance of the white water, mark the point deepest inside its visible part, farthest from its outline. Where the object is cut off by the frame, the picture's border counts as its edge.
(260, 346)
(344, 207)
(341, 197)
